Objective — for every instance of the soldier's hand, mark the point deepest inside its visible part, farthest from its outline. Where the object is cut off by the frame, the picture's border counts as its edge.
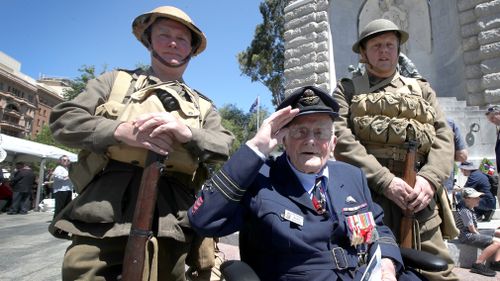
(271, 132)
(129, 134)
(159, 123)
(421, 195)
(398, 191)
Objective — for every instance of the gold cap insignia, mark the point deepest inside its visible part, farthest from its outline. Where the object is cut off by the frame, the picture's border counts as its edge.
(309, 98)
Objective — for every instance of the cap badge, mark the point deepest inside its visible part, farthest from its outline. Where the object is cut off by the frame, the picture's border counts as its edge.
(309, 98)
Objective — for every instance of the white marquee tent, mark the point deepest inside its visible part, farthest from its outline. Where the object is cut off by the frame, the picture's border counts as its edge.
(15, 149)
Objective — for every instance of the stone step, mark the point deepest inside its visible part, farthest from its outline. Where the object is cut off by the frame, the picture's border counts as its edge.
(450, 104)
(496, 215)
(464, 255)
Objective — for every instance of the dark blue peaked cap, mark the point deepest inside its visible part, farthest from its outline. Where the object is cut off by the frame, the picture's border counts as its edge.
(310, 100)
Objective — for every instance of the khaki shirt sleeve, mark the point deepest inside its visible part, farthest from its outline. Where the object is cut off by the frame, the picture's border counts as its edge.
(440, 158)
(212, 142)
(74, 124)
(350, 150)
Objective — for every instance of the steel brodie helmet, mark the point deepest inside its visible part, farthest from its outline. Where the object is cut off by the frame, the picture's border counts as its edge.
(379, 26)
(141, 24)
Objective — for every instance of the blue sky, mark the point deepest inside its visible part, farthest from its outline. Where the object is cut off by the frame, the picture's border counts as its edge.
(56, 37)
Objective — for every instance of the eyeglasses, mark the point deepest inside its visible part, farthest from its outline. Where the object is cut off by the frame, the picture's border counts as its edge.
(299, 132)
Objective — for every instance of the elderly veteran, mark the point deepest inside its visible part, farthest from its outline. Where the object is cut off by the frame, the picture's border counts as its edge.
(305, 217)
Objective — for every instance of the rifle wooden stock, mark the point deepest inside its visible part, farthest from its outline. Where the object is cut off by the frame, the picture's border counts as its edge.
(140, 232)
(410, 177)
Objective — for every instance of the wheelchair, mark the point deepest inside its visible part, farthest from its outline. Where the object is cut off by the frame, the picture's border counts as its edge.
(240, 270)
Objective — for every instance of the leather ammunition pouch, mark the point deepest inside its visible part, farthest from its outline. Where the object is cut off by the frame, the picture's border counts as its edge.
(394, 117)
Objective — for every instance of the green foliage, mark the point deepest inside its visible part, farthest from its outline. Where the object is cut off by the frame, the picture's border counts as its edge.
(78, 84)
(242, 125)
(263, 60)
(234, 119)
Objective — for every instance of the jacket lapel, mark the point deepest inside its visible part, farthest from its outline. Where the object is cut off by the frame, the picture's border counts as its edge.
(336, 190)
(287, 184)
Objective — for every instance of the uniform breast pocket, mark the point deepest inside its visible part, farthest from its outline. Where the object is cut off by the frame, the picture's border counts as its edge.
(282, 223)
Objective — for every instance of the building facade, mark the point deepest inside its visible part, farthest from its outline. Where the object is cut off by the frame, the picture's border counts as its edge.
(25, 104)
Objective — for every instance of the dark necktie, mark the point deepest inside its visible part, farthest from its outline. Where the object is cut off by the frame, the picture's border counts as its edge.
(319, 196)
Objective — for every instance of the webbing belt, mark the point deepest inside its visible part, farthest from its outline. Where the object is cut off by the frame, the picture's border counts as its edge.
(393, 158)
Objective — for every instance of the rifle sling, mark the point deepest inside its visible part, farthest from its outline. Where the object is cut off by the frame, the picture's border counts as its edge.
(141, 232)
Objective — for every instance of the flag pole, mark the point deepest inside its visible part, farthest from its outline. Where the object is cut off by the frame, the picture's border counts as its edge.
(258, 112)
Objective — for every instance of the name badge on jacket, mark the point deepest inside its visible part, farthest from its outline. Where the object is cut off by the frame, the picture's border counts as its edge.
(293, 217)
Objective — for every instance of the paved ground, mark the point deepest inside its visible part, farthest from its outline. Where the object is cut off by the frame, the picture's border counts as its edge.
(29, 253)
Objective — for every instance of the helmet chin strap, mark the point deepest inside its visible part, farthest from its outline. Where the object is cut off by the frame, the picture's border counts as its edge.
(168, 64)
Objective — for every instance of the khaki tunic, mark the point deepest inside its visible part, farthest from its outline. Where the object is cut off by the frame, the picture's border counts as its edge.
(436, 167)
(349, 149)
(105, 208)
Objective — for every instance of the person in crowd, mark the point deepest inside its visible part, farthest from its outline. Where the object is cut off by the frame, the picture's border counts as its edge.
(62, 187)
(488, 240)
(158, 112)
(479, 181)
(306, 217)
(493, 115)
(461, 155)
(22, 185)
(381, 112)
(47, 183)
(5, 194)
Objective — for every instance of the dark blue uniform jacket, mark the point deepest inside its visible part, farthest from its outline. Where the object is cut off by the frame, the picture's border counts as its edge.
(480, 182)
(253, 197)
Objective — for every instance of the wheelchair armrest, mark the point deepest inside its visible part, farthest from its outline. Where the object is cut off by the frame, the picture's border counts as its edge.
(423, 260)
(235, 270)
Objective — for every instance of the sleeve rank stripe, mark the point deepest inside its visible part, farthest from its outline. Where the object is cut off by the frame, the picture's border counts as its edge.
(232, 182)
(233, 189)
(225, 194)
(225, 189)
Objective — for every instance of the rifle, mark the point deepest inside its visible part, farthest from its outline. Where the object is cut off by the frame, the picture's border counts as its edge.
(140, 232)
(410, 177)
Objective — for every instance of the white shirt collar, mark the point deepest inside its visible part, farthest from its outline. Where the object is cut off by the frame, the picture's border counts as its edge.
(309, 180)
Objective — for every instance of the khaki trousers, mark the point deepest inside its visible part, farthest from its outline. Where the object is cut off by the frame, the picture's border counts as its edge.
(101, 259)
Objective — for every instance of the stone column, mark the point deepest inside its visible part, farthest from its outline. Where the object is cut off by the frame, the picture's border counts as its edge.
(308, 51)
(480, 27)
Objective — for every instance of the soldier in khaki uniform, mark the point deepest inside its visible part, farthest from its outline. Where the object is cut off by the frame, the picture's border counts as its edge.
(99, 218)
(381, 111)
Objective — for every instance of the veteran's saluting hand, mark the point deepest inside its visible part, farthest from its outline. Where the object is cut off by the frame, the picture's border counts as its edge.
(272, 131)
